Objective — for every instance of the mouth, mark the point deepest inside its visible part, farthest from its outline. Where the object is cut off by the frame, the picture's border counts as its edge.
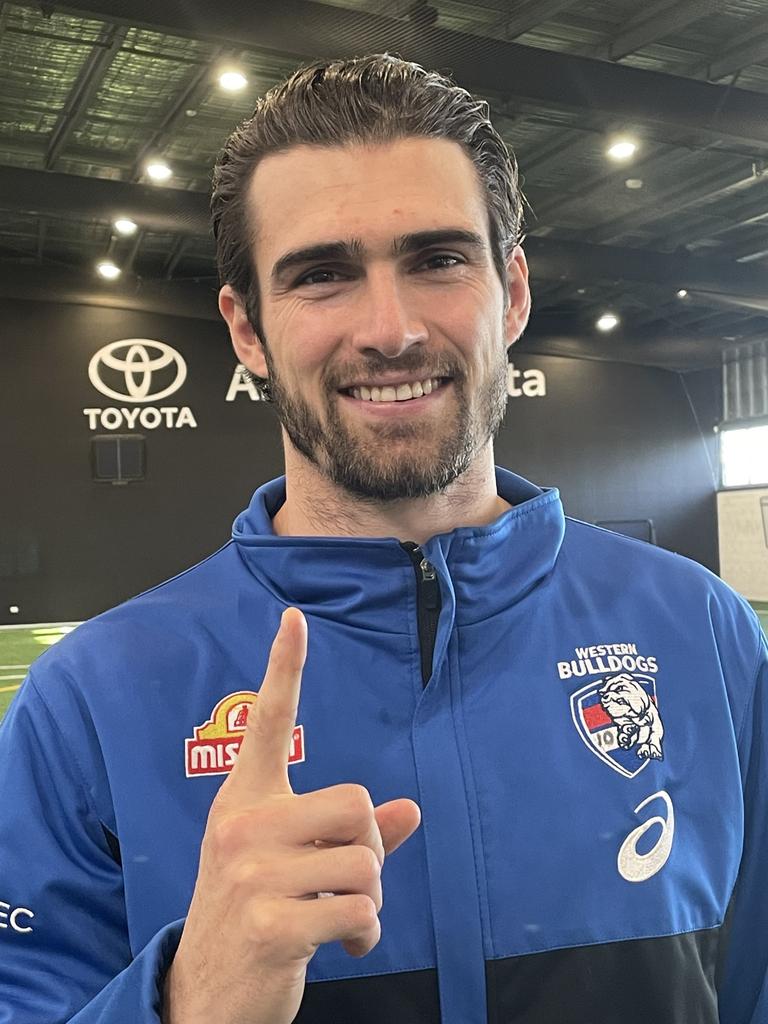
(395, 392)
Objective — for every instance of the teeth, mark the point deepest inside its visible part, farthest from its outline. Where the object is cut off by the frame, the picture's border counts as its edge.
(402, 393)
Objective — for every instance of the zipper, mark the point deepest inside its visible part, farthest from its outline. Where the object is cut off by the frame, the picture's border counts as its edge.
(427, 606)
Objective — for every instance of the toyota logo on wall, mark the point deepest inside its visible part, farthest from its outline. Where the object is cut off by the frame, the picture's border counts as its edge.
(129, 369)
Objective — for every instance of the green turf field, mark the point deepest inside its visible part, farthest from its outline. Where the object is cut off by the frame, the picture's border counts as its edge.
(20, 645)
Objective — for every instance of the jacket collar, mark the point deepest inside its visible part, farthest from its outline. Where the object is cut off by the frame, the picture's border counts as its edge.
(370, 582)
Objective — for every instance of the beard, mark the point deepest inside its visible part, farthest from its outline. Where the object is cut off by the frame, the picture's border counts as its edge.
(398, 460)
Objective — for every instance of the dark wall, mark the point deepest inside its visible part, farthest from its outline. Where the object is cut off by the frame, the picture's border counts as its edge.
(620, 441)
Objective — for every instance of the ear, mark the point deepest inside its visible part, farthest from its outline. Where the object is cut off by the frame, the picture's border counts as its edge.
(519, 308)
(245, 341)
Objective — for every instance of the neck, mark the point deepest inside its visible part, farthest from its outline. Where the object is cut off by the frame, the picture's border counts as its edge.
(316, 507)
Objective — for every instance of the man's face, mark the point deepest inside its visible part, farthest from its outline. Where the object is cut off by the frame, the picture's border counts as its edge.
(384, 341)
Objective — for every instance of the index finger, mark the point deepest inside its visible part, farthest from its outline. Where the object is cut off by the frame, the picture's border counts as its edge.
(261, 768)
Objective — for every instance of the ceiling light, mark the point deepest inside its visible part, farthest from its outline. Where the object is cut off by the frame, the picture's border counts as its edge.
(233, 81)
(634, 183)
(607, 322)
(622, 149)
(683, 293)
(158, 171)
(108, 269)
(125, 226)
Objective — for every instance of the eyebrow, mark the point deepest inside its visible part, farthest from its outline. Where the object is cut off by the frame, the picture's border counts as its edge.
(353, 249)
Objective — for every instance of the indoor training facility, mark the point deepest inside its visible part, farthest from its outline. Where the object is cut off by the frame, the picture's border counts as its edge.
(130, 435)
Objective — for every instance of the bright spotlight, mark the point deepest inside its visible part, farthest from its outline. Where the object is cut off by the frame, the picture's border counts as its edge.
(622, 149)
(108, 270)
(232, 81)
(125, 226)
(607, 322)
(158, 170)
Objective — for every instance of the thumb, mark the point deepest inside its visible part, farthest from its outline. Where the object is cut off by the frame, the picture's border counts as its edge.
(397, 821)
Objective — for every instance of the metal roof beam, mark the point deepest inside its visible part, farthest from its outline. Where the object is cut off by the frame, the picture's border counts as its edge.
(735, 302)
(92, 157)
(745, 49)
(747, 250)
(180, 247)
(195, 91)
(154, 208)
(705, 222)
(584, 264)
(82, 286)
(657, 21)
(485, 65)
(523, 16)
(127, 261)
(696, 189)
(86, 86)
(552, 206)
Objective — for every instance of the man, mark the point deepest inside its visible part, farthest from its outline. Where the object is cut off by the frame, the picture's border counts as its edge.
(574, 716)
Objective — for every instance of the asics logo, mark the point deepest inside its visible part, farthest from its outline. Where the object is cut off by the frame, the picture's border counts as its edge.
(638, 867)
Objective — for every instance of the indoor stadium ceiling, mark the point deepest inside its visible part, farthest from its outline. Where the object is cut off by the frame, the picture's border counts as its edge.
(90, 91)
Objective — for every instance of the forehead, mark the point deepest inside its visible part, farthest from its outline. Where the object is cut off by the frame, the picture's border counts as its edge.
(311, 194)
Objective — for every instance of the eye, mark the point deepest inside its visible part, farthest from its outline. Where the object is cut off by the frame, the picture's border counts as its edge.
(320, 276)
(433, 261)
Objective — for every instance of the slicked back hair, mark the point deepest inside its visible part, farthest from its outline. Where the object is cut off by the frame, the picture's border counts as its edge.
(367, 100)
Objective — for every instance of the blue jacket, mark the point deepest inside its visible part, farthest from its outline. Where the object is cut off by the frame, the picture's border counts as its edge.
(580, 716)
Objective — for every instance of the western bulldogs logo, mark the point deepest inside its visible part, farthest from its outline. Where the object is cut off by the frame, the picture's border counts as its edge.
(618, 719)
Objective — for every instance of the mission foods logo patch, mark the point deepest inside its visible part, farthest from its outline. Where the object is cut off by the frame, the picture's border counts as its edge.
(214, 748)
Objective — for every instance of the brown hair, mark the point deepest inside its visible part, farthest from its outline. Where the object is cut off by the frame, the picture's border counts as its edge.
(375, 99)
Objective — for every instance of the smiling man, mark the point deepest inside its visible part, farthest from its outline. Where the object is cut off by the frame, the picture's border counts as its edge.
(380, 260)
(403, 648)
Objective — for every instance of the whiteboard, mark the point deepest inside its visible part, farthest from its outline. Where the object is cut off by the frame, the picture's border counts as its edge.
(742, 529)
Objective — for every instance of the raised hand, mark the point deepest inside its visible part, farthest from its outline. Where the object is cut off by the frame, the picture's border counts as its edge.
(256, 920)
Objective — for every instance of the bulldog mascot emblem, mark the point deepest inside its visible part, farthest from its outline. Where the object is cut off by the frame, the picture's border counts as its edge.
(618, 719)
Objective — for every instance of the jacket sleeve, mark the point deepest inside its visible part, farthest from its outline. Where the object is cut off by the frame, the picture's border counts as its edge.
(743, 983)
(64, 948)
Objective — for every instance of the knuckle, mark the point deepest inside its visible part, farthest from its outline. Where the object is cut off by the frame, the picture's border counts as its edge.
(264, 919)
(358, 799)
(366, 865)
(228, 835)
(254, 876)
(261, 719)
(362, 912)
(276, 933)
(266, 925)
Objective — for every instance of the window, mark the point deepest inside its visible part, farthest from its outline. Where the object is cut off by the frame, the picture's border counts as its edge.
(744, 456)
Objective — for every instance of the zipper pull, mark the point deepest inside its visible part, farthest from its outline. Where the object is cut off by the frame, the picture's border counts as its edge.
(431, 586)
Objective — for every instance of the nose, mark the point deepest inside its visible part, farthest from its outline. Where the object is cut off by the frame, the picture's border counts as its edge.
(387, 320)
